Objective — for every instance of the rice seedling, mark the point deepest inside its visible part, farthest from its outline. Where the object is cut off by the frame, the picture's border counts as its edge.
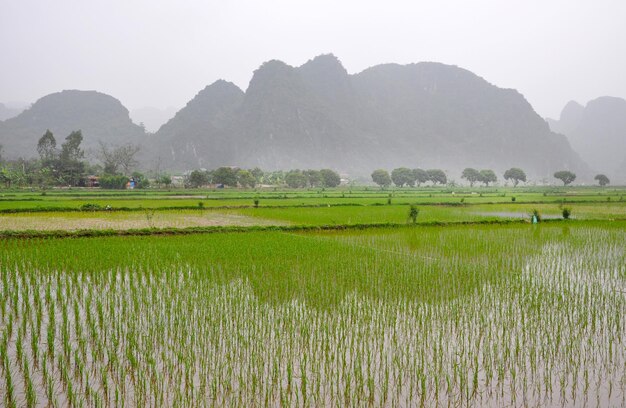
(498, 315)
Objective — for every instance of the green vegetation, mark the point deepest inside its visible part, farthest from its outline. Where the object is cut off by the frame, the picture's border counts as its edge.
(382, 178)
(516, 175)
(471, 175)
(567, 177)
(602, 179)
(320, 296)
(355, 317)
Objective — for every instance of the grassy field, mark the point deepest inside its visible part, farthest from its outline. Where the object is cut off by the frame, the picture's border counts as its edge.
(74, 199)
(414, 315)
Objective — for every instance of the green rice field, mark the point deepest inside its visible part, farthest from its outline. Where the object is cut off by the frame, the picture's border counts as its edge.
(471, 306)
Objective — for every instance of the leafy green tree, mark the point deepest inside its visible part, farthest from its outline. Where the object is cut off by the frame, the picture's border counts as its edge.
(246, 179)
(226, 176)
(330, 178)
(47, 147)
(165, 180)
(7, 177)
(258, 174)
(314, 178)
(516, 175)
(197, 178)
(116, 182)
(602, 179)
(381, 177)
(488, 176)
(402, 176)
(437, 176)
(420, 176)
(274, 178)
(295, 179)
(471, 175)
(71, 167)
(141, 181)
(566, 176)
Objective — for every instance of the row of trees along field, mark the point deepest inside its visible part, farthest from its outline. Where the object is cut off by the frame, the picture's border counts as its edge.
(403, 176)
(116, 165)
(234, 177)
(66, 165)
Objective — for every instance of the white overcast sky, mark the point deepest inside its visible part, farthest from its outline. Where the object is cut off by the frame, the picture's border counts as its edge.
(161, 53)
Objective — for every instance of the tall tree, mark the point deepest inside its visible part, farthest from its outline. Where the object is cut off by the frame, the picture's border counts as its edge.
(566, 176)
(488, 176)
(402, 176)
(602, 179)
(246, 179)
(197, 178)
(70, 149)
(437, 176)
(295, 179)
(47, 147)
(330, 178)
(420, 176)
(71, 167)
(516, 175)
(381, 177)
(314, 177)
(226, 176)
(471, 175)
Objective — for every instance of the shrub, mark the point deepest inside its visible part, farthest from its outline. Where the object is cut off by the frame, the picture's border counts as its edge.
(566, 213)
(113, 182)
(413, 213)
(90, 207)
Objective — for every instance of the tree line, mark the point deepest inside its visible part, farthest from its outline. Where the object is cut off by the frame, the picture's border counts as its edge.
(66, 165)
(250, 178)
(404, 176)
(116, 166)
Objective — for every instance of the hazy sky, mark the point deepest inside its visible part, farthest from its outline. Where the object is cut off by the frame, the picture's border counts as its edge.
(161, 53)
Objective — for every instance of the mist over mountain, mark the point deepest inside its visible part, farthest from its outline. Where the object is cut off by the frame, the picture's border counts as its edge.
(152, 118)
(317, 115)
(199, 135)
(99, 116)
(7, 112)
(598, 132)
(427, 115)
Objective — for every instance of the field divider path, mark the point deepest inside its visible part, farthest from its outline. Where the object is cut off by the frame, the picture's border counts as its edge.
(85, 233)
(280, 206)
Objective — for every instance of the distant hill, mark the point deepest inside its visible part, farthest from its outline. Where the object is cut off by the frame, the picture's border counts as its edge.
(317, 115)
(199, 135)
(7, 112)
(99, 116)
(598, 132)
